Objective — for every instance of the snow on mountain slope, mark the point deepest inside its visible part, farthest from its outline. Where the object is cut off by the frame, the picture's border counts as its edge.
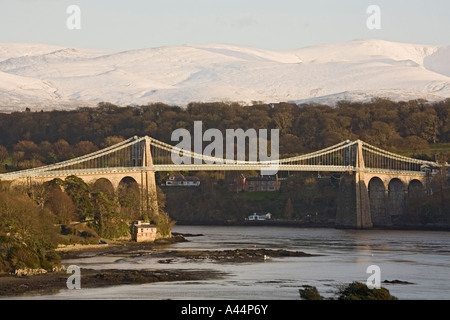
(439, 61)
(366, 50)
(16, 86)
(47, 77)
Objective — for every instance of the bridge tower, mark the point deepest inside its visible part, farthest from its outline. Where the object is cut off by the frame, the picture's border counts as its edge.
(141, 156)
(150, 198)
(353, 209)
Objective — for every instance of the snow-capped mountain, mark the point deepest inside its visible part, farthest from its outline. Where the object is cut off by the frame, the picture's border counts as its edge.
(49, 77)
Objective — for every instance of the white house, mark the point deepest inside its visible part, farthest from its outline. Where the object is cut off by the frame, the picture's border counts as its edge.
(178, 180)
(260, 217)
(433, 170)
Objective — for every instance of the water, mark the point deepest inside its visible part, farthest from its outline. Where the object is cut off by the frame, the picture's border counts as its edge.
(419, 257)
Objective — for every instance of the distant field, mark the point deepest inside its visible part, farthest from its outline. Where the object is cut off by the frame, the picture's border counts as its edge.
(440, 147)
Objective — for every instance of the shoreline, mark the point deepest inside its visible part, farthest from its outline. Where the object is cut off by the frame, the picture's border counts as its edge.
(12, 286)
(310, 225)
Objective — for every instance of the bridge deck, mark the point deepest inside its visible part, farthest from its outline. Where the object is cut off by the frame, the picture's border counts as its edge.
(146, 154)
(211, 167)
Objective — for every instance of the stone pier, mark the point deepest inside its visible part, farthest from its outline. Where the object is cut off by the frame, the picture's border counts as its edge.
(369, 199)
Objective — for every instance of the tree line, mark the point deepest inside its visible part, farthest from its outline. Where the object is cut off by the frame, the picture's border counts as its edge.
(415, 128)
(35, 219)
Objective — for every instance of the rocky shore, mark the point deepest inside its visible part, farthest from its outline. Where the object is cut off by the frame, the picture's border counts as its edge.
(229, 256)
(53, 282)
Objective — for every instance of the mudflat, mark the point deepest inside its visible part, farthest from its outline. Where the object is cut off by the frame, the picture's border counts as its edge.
(52, 282)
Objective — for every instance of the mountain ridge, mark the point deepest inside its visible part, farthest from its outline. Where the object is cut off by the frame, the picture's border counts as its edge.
(57, 77)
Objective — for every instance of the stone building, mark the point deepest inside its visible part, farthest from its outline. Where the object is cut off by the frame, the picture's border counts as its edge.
(254, 184)
(143, 232)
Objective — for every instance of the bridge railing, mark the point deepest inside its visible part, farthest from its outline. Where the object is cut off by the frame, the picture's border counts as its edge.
(376, 158)
(119, 157)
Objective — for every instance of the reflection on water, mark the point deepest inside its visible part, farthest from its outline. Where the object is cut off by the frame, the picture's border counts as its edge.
(414, 256)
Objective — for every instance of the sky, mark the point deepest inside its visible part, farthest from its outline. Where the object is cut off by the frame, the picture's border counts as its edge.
(274, 25)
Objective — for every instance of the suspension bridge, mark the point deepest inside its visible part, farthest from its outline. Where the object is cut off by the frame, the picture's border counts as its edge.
(375, 183)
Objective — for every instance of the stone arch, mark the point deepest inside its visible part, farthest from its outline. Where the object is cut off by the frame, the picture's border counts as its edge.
(397, 197)
(377, 200)
(129, 193)
(104, 185)
(416, 189)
